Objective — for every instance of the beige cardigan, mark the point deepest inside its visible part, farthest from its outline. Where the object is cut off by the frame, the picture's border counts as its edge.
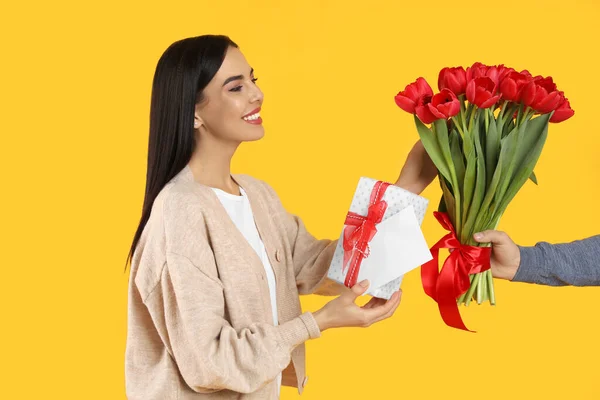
(199, 314)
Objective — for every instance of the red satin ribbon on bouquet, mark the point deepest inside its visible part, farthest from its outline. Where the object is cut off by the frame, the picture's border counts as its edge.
(452, 281)
(359, 230)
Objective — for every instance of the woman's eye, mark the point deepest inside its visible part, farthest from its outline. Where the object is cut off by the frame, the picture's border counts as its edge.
(239, 88)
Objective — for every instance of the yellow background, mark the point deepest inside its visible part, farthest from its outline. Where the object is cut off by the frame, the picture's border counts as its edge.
(75, 86)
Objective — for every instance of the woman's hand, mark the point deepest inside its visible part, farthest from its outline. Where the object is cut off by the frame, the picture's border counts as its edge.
(418, 170)
(344, 312)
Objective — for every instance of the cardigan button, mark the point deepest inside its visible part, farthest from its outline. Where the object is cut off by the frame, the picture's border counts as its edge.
(278, 255)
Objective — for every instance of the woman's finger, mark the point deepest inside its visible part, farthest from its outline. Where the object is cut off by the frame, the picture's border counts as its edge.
(391, 312)
(379, 311)
(374, 302)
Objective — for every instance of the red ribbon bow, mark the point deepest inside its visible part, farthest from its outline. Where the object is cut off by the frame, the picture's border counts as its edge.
(359, 230)
(452, 281)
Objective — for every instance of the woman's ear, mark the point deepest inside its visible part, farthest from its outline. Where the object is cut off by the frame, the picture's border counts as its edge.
(198, 122)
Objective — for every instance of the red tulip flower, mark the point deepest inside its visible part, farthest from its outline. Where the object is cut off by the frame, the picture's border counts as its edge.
(563, 111)
(547, 98)
(476, 70)
(454, 79)
(444, 105)
(414, 95)
(482, 92)
(512, 86)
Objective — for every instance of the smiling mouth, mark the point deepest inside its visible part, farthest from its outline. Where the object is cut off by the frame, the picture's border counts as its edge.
(253, 117)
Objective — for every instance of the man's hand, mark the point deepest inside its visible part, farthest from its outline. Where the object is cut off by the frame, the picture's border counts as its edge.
(506, 256)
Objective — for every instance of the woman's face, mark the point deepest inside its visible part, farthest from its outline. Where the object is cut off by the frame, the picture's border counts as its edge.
(232, 101)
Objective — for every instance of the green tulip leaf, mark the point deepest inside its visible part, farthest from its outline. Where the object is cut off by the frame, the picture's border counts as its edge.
(433, 148)
(492, 150)
(457, 158)
(527, 165)
(440, 129)
(533, 177)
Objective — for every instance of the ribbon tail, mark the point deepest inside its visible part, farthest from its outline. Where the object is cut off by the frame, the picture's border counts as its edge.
(448, 293)
(451, 315)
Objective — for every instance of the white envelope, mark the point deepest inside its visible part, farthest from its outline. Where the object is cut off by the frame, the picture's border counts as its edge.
(397, 248)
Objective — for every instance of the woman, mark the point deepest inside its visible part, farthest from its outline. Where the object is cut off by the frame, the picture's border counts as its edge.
(217, 264)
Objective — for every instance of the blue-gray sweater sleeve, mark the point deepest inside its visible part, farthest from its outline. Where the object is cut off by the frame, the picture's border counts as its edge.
(576, 263)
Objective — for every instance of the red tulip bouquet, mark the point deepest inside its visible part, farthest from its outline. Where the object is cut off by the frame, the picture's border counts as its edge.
(487, 128)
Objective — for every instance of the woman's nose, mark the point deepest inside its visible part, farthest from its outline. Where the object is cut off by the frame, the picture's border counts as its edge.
(256, 94)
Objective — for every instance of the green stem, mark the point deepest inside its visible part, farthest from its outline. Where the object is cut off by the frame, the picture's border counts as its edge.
(463, 296)
(491, 287)
(487, 120)
(457, 125)
(484, 290)
(468, 115)
(525, 115)
(521, 114)
(479, 288)
(472, 117)
(463, 112)
(530, 113)
(502, 109)
(511, 111)
(490, 293)
(472, 288)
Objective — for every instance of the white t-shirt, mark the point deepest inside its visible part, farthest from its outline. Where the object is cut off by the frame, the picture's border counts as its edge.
(240, 212)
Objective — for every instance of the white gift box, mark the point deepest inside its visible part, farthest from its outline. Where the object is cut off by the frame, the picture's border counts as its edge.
(397, 247)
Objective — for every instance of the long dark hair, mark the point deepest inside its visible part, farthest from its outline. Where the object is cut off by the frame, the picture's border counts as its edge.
(182, 73)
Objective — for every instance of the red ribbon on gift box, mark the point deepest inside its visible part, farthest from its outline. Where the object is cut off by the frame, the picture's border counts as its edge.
(359, 230)
(446, 285)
